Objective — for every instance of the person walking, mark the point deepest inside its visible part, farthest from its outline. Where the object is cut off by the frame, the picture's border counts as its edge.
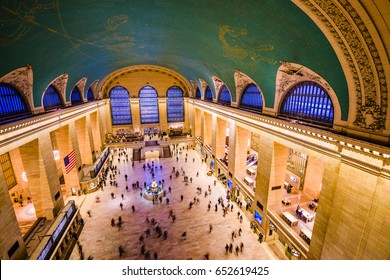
(210, 228)
(121, 205)
(133, 208)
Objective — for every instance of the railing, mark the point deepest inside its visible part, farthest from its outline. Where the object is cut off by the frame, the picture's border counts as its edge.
(58, 238)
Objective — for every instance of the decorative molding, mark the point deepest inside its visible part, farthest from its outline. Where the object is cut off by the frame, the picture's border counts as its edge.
(242, 81)
(291, 74)
(359, 49)
(218, 84)
(93, 87)
(194, 88)
(111, 79)
(22, 80)
(204, 85)
(81, 86)
(60, 84)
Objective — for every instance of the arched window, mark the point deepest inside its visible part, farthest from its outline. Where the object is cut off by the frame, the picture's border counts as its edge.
(208, 95)
(308, 101)
(251, 99)
(12, 103)
(224, 96)
(175, 104)
(75, 97)
(120, 106)
(198, 94)
(52, 99)
(148, 105)
(90, 96)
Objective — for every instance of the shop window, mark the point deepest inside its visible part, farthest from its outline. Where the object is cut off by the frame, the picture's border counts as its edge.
(120, 106)
(149, 105)
(52, 99)
(175, 104)
(310, 102)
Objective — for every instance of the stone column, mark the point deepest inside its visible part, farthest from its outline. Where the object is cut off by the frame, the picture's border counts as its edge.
(96, 135)
(197, 123)
(232, 146)
(135, 114)
(64, 138)
(324, 210)
(349, 219)
(162, 113)
(313, 183)
(12, 246)
(207, 130)
(220, 138)
(44, 185)
(242, 137)
(271, 169)
(83, 131)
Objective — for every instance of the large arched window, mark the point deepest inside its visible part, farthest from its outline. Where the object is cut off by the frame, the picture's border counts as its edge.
(175, 104)
(90, 96)
(12, 103)
(208, 95)
(75, 97)
(251, 99)
(198, 95)
(52, 99)
(148, 100)
(224, 96)
(120, 106)
(308, 101)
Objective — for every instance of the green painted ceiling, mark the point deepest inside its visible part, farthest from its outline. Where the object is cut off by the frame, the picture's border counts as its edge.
(198, 39)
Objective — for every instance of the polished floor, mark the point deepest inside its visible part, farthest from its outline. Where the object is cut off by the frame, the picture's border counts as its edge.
(188, 237)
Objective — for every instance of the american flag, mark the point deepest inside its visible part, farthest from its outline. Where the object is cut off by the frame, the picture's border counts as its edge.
(70, 161)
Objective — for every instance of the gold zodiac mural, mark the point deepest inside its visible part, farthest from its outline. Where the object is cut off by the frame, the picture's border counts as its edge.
(235, 48)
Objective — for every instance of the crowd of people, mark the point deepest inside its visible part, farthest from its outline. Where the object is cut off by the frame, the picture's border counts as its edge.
(177, 184)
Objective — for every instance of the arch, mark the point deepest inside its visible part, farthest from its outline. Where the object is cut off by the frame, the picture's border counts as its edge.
(308, 101)
(225, 96)
(208, 95)
(252, 99)
(175, 104)
(198, 95)
(148, 100)
(75, 97)
(52, 99)
(120, 106)
(12, 103)
(90, 95)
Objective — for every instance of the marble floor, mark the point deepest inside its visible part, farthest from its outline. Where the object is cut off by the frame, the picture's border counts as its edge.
(101, 241)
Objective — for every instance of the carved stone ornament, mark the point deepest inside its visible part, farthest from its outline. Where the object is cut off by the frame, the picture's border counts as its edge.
(217, 83)
(60, 84)
(362, 57)
(81, 85)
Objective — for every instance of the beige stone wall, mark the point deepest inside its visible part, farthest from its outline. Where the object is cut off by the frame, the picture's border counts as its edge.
(313, 177)
(82, 131)
(208, 129)
(241, 152)
(9, 228)
(42, 176)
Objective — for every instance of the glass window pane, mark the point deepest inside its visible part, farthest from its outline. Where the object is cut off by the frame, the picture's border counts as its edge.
(308, 101)
(149, 105)
(120, 106)
(175, 104)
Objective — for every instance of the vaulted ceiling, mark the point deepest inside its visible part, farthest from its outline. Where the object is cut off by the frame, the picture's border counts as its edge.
(198, 39)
